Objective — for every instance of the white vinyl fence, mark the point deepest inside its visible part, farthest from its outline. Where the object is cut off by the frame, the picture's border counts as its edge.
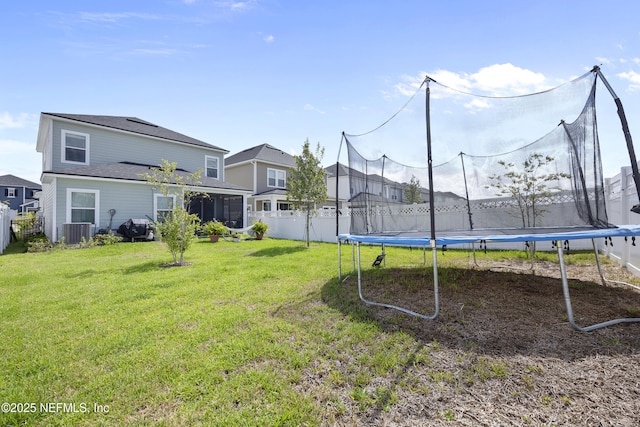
(5, 227)
(620, 196)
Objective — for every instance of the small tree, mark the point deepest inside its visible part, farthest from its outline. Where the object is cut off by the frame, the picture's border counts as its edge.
(412, 191)
(527, 186)
(178, 228)
(307, 185)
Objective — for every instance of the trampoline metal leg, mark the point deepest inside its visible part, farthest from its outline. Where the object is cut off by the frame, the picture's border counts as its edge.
(567, 300)
(595, 252)
(402, 309)
(339, 261)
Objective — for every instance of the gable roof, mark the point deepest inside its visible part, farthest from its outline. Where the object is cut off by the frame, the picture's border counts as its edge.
(343, 170)
(130, 171)
(14, 181)
(135, 125)
(265, 153)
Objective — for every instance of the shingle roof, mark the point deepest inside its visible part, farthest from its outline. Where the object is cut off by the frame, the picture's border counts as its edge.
(12, 180)
(135, 125)
(343, 170)
(129, 171)
(265, 153)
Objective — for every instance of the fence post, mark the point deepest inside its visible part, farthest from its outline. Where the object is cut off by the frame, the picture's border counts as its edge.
(5, 223)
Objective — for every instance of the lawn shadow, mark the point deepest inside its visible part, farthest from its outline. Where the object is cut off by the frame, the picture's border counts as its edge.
(502, 313)
(277, 251)
(143, 267)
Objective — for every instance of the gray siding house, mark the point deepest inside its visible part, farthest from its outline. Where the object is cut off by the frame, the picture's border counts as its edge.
(91, 172)
(263, 168)
(18, 193)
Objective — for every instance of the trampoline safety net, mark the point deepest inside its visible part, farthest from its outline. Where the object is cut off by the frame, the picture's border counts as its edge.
(520, 162)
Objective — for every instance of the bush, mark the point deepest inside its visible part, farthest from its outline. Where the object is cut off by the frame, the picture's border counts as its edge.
(107, 239)
(39, 243)
(259, 227)
(215, 228)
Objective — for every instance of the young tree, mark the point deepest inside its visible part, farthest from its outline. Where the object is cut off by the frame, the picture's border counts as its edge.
(178, 228)
(306, 185)
(527, 185)
(412, 191)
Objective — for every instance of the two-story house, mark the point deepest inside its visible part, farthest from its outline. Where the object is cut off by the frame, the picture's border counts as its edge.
(18, 193)
(264, 169)
(92, 167)
(352, 187)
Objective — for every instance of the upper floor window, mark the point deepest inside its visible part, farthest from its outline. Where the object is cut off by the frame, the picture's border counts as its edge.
(276, 178)
(10, 193)
(75, 147)
(211, 167)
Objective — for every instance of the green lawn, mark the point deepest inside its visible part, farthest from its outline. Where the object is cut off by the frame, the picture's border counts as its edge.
(223, 341)
(108, 336)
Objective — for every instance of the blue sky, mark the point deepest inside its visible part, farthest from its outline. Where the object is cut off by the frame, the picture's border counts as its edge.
(241, 73)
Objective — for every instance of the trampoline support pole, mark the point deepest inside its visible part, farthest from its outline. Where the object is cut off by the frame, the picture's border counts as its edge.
(595, 252)
(339, 260)
(402, 309)
(567, 300)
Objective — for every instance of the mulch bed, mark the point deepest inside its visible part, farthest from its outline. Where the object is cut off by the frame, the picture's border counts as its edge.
(514, 318)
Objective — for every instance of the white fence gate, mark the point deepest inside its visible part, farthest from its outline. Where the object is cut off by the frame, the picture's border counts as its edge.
(5, 227)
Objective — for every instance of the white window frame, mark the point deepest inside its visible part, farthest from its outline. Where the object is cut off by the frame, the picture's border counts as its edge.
(157, 196)
(277, 172)
(11, 193)
(96, 207)
(206, 166)
(63, 144)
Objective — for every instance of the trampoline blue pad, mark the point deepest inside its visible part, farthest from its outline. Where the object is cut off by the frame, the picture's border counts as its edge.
(495, 235)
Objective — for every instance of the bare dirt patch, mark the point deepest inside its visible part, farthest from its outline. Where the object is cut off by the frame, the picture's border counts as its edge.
(502, 352)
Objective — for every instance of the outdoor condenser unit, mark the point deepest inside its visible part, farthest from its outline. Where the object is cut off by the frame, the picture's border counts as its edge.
(74, 232)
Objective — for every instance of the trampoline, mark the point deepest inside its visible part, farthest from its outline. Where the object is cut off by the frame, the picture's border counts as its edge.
(545, 185)
(406, 239)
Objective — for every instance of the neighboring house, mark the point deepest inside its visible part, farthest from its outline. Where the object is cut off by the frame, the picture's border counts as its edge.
(373, 188)
(91, 173)
(19, 194)
(337, 174)
(265, 170)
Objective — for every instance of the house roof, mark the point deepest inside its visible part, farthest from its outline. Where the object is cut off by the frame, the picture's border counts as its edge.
(343, 170)
(273, 192)
(135, 125)
(265, 153)
(129, 171)
(14, 181)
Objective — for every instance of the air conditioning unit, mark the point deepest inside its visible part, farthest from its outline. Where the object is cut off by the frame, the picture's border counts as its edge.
(74, 232)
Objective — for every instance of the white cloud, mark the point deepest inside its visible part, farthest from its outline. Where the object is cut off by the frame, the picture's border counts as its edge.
(153, 52)
(9, 121)
(20, 159)
(236, 5)
(269, 38)
(453, 80)
(477, 104)
(604, 60)
(114, 17)
(633, 78)
(507, 79)
(495, 80)
(309, 107)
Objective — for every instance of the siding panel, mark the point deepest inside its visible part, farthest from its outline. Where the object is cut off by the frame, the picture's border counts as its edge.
(130, 200)
(110, 146)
